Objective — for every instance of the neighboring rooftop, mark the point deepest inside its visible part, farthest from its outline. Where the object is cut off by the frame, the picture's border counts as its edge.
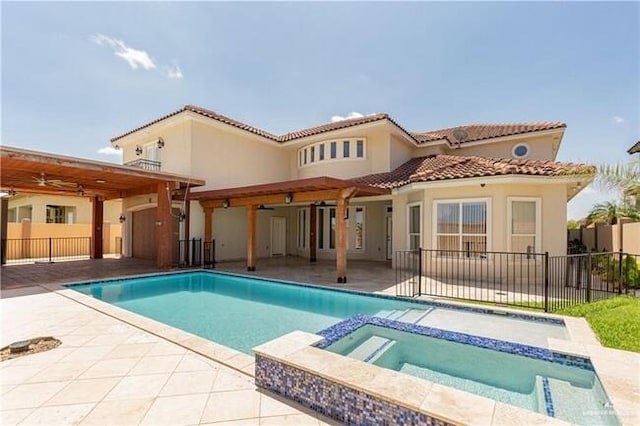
(442, 167)
(454, 135)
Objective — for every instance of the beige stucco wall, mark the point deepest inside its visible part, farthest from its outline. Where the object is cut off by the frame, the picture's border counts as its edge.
(400, 151)
(83, 207)
(29, 230)
(228, 159)
(553, 211)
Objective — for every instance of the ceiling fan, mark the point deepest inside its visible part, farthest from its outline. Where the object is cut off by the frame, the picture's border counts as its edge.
(58, 183)
(262, 207)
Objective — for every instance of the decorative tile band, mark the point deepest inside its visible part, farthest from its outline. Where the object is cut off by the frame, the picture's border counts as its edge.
(343, 328)
(548, 402)
(333, 400)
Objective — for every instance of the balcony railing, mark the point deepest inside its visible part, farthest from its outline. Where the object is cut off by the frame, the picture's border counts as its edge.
(145, 164)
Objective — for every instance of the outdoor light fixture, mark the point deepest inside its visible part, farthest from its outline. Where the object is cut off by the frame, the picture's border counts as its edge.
(138, 150)
(182, 216)
(122, 218)
(288, 198)
(160, 143)
(11, 192)
(225, 203)
(80, 191)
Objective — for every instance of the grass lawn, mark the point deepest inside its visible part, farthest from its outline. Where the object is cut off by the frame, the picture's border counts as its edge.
(616, 321)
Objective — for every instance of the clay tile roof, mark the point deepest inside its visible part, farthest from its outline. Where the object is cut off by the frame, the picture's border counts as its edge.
(333, 126)
(443, 167)
(282, 138)
(477, 132)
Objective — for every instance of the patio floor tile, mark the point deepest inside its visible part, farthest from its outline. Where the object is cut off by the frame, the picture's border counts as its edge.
(176, 410)
(128, 412)
(30, 395)
(156, 364)
(84, 391)
(233, 405)
(137, 387)
(110, 368)
(189, 382)
(59, 415)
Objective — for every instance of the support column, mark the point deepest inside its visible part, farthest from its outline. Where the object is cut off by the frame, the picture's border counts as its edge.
(341, 243)
(312, 232)
(187, 216)
(4, 213)
(208, 224)
(164, 226)
(97, 218)
(251, 238)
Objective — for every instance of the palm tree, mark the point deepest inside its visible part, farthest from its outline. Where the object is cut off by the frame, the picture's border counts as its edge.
(609, 212)
(620, 177)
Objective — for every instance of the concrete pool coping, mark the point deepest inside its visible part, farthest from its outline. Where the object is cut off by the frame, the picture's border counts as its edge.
(611, 365)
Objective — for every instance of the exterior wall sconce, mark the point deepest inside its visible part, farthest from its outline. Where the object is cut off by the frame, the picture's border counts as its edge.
(122, 218)
(225, 203)
(160, 143)
(182, 216)
(288, 198)
(138, 150)
(80, 191)
(11, 192)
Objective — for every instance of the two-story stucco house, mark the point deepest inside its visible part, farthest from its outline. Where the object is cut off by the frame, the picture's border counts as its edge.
(359, 188)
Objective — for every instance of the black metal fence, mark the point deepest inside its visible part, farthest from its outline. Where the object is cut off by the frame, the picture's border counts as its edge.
(532, 280)
(35, 250)
(195, 253)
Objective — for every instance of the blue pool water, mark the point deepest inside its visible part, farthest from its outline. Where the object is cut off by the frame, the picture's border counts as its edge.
(574, 394)
(242, 312)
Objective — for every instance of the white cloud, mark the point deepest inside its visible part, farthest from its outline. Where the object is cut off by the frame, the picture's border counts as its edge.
(617, 119)
(174, 72)
(109, 150)
(135, 58)
(354, 114)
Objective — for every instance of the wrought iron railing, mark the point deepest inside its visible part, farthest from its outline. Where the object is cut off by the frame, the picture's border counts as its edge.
(195, 253)
(143, 163)
(532, 280)
(34, 250)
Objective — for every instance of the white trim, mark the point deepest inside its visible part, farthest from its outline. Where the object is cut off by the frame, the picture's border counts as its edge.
(517, 145)
(408, 223)
(538, 235)
(489, 218)
(363, 249)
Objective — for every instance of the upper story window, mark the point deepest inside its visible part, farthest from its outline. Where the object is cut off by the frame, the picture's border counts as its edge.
(148, 155)
(352, 149)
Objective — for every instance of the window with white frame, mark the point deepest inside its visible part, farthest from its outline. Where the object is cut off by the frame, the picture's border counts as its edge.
(326, 223)
(414, 225)
(359, 229)
(461, 226)
(524, 225)
(349, 149)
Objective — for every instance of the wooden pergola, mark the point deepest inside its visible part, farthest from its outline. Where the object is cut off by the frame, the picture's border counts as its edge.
(310, 191)
(34, 172)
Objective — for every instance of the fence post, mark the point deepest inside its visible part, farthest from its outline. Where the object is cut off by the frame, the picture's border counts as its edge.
(620, 264)
(50, 245)
(546, 281)
(419, 271)
(589, 277)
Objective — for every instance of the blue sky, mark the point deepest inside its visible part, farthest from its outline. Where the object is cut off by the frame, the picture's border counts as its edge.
(76, 74)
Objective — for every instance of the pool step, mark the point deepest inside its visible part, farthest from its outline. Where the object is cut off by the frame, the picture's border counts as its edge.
(372, 349)
(413, 316)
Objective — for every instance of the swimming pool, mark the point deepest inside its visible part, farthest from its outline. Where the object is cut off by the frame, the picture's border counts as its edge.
(568, 391)
(243, 312)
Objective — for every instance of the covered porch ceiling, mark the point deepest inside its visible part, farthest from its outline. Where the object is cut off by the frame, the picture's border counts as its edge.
(306, 190)
(33, 172)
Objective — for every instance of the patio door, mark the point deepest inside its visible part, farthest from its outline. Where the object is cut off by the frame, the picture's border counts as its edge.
(278, 236)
